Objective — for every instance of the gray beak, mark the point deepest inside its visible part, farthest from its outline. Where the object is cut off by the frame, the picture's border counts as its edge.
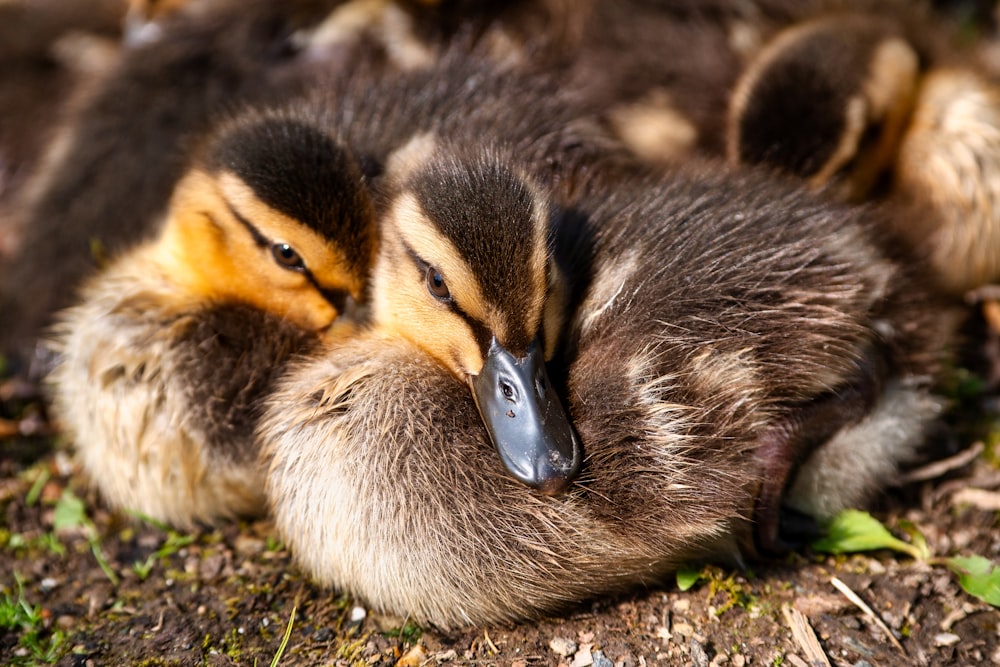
(525, 419)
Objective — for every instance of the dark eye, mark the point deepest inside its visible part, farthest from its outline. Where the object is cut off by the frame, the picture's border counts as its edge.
(286, 257)
(436, 285)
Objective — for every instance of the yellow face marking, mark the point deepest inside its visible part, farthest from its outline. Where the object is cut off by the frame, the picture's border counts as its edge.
(402, 303)
(209, 250)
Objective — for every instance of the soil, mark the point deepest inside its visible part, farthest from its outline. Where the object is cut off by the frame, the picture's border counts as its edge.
(227, 596)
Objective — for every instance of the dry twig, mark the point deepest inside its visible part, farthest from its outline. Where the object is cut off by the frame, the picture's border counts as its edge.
(805, 637)
(869, 612)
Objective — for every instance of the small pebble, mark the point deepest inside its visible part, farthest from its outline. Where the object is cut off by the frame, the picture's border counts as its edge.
(247, 545)
(358, 614)
(65, 622)
(699, 656)
(47, 584)
(413, 658)
(323, 635)
(583, 657)
(683, 629)
(601, 660)
(946, 639)
(719, 660)
(563, 646)
(739, 660)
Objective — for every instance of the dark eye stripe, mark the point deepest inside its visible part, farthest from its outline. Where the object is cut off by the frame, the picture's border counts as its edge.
(258, 238)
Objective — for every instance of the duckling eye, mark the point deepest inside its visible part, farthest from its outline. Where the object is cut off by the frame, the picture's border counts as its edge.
(436, 285)
(286, 257)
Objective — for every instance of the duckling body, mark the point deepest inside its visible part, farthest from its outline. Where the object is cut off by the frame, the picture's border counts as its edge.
(728, 327)
(163, 364)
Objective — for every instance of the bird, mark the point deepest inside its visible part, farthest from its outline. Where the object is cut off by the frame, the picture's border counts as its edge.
(875, 106)
(162, 364)
(730, 347)
(50, 52)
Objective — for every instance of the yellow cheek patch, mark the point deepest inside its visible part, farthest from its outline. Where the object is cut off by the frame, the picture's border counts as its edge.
(422, 236)
(403, 306)
(326, 259)
(212, 253)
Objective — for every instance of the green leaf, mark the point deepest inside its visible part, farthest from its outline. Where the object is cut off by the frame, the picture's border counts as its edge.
(917, 539)
(978, 576)
(69, 513)
(687, 577)
(852, 531)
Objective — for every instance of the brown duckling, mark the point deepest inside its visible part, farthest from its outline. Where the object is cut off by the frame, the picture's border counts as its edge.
(163, 365)
(49, 51)
(867, 106)
(727, 328)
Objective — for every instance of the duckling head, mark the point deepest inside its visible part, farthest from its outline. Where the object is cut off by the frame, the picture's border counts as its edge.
(465, 273)
(275, 214)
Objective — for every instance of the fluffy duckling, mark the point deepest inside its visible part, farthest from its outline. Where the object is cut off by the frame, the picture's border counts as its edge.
(163, 365)
(728, 329)
(827, 100)
(861, 105)
(48, 53)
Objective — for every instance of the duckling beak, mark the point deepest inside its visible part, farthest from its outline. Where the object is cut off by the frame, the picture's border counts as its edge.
(525, 419)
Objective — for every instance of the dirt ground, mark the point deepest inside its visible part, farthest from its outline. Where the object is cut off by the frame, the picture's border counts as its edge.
(82, 586)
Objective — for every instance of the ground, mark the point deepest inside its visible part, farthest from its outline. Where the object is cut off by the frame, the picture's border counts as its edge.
(80, 585)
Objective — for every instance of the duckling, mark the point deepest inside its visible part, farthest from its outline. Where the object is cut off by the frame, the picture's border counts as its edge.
(726, 329)
(48, 53)
(866, 107)
(163, 364)
(827, 99)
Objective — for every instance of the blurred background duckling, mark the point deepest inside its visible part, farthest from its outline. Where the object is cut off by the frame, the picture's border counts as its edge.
(867, 106)
(163, 364)
(723, 332)
(49, 52)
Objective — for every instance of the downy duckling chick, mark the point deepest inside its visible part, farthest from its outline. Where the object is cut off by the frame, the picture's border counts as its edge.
(163, 365)
(857, 105)
(49, 52)
(729, 327)
(826, 100)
